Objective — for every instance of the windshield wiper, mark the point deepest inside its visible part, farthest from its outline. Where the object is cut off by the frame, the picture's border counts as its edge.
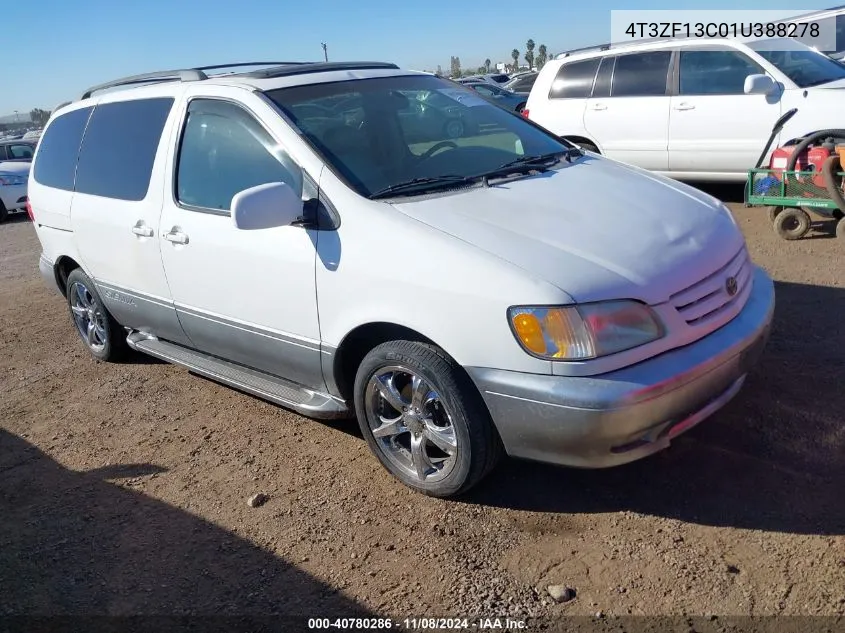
(430, 182)
(531, 163)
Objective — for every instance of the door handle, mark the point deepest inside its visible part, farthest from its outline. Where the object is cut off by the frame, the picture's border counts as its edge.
(685, 106)
(142, 230)
(598, 107)
(176, 236)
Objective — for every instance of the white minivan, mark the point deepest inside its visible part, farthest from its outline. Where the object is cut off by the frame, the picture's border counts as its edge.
(318, 236)
(691, 109)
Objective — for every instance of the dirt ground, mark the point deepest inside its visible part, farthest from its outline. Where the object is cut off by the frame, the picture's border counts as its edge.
(123, 488)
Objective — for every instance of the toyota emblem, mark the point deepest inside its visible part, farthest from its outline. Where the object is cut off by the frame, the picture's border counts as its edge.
(731, 286)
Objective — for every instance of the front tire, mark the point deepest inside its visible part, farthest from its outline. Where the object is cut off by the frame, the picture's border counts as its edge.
(424, 419)
(100, 333)
(3, 212)
(454, 129)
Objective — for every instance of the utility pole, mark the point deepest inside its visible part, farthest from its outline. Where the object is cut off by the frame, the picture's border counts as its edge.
(325, 50)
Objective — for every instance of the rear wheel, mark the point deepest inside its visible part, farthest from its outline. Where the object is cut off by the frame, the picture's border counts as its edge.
(3, 212)
(101, 334)
(424, 419)
(773, 213)
(792, 224)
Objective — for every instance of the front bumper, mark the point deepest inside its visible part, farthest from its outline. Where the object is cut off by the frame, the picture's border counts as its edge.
(622, 416)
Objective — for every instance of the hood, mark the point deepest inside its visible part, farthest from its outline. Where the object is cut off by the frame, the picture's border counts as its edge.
(14, 167)
(839, 83)
(597, 229)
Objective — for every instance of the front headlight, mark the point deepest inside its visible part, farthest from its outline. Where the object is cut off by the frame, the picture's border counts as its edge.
(8, 180)
(581, 332)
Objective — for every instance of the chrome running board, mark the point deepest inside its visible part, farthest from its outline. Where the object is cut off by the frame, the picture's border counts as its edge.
(257, 383)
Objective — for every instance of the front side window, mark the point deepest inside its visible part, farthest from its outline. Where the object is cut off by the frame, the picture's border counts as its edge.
(59, 149)
(641, 74)
(715, 72)
(575, 79)
(20, 151)
(377, 133)
(484, 90)
(119, 148)
(224, 151)
(804, 66)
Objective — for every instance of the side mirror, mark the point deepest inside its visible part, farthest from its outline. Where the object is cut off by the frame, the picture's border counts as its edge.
(759, 85)
(266, 206)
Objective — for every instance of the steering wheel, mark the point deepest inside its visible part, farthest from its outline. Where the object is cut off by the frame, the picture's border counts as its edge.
(431, 151)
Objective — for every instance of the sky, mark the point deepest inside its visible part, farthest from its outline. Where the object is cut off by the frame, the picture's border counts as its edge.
(74, 45)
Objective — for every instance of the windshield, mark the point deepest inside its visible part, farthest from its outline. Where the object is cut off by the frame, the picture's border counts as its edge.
(377, 133)
(803, 65)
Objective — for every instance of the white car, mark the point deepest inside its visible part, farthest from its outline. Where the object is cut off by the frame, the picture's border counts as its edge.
(687, 108)
(13, 182)
(502, 291)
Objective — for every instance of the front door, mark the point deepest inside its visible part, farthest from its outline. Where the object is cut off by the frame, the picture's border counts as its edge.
(248, 296)
(714, 127)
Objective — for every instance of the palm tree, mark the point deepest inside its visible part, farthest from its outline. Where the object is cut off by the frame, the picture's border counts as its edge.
(529, 54)
(487, 63)
(542, 56)
(515, 55)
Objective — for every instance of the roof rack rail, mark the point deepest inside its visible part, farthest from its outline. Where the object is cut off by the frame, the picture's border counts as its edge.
(609, 45)
(163, 75)
(185, 74)
(318, 67)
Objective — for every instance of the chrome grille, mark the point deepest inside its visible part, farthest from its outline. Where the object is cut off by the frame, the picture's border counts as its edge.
(708, 298)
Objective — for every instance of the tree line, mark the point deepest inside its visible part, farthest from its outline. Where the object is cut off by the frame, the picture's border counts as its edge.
(534, 60)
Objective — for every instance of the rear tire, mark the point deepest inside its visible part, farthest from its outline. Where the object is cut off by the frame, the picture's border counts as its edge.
(792, 224)
(3, 212)
(104, 338)
(773, 213)
(424, 419)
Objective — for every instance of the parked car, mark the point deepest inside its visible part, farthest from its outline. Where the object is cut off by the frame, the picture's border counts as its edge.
(491, 78)
(687, 108)
(17, 150)
(13, 185)
(521, 84)
(487, 294)
(498, 96)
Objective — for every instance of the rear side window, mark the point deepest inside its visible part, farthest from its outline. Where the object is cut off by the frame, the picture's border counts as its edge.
(641, 74)
(602, 87)
(575, 80)
(59, 148)
(119, 149)
(524, 83)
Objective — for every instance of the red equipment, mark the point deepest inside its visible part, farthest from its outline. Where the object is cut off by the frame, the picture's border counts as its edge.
(810, 159)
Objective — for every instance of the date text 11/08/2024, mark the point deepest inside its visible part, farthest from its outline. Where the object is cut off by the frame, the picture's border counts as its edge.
(422, 624)
(722, 29)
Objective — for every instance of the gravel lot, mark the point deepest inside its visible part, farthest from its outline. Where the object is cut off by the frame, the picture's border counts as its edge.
(123, 488)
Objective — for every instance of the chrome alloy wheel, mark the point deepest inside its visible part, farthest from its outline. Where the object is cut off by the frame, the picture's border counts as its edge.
(411, 424)
(88, 317)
